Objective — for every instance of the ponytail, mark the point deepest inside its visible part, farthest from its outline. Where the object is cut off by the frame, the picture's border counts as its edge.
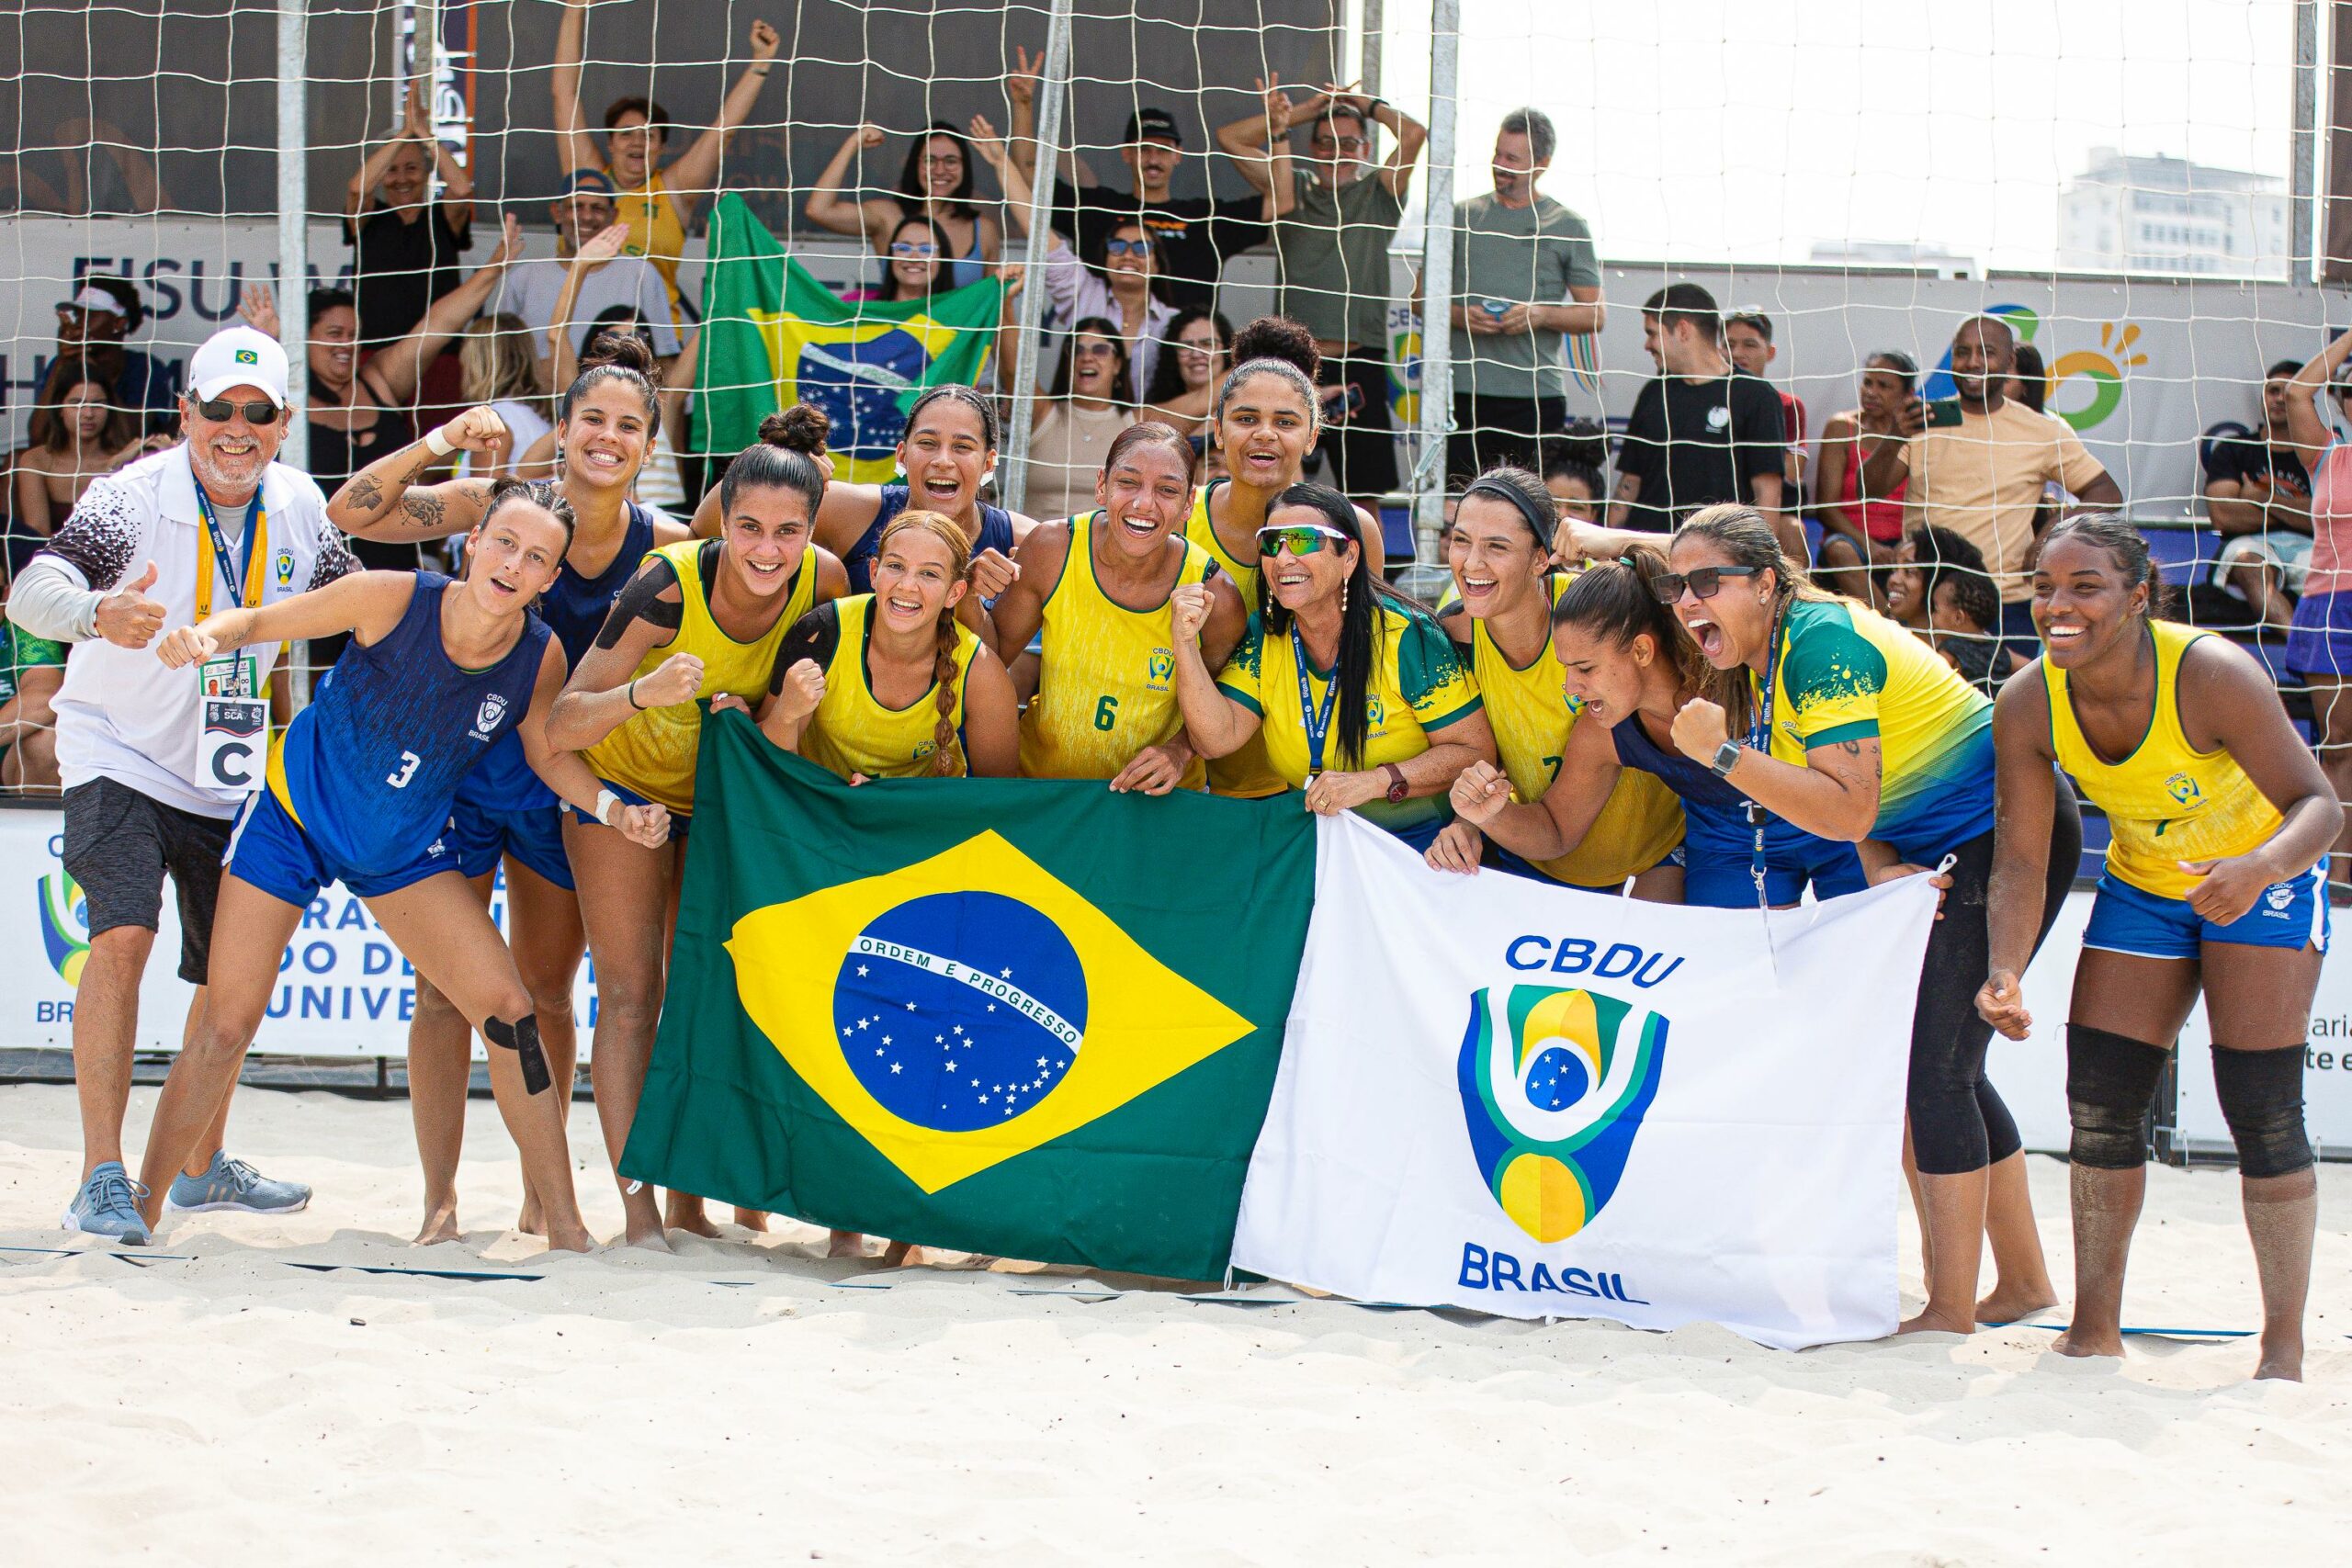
(943, 668)
(1613, 599)
(1741, 533)
(2124, 546)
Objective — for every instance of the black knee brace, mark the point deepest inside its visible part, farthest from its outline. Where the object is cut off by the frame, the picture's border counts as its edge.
(521, 1037)
(2262, 1100)
(2111, 1082)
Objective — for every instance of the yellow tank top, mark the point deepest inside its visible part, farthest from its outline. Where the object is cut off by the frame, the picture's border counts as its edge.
(1246, 774)
(852, 731)
(2165, 802)
(1531, 714)
(1106, 684)
(653, 752)
(655, 231)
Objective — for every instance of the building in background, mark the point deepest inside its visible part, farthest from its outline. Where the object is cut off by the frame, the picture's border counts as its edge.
(1926, 256)
(2170, 215)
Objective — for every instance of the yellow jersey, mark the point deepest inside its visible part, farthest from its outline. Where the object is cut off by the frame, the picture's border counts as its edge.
(1531, 714)
(1418, 685)
(655, 231)
(2166, 802)
(653, 752)
(1106, 682)
(852, 731)
(1247, 774)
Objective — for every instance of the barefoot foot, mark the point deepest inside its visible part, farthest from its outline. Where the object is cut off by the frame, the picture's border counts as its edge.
(752, 1219)
(2282, 1359)
(902, 1255)
(2084, 1342)
(1933, 1322)
(646, 1235)
(570, 1238)
(530, 1220)
(2008, 1305)
(440, 1224)
(687, 1214)
(845, 1244)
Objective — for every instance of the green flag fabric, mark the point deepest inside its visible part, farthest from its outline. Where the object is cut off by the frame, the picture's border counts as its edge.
(773, 336)
(1028, 1018)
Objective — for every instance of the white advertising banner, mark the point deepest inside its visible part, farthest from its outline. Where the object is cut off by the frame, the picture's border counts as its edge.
(343, 989)
(1506, 1096)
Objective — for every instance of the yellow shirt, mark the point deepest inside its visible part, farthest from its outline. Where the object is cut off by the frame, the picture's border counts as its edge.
(1983, 478)
(653, 752)
(2166, 802)
(1531, 714)
(655, 231)
(1246, 774)
(1106, 683)
(1418, 685)
(852, 731)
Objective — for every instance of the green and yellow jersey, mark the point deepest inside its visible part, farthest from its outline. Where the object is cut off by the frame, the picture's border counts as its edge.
(852, 731)
(1246, 774)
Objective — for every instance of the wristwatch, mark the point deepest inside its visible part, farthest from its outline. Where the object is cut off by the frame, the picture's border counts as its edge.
(1727, 759)
(1396, 789)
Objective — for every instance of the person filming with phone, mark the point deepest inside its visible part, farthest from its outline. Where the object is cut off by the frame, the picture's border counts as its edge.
(1979, 463)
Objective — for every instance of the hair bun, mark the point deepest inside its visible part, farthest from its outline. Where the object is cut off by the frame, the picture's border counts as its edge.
(1278, 337)
(800, 428)
(622, 351)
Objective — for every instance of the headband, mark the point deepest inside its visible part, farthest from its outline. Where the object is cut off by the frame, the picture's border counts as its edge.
(1540, 522)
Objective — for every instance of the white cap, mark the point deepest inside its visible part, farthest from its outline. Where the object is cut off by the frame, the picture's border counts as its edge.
(93, 297)
(238, 357)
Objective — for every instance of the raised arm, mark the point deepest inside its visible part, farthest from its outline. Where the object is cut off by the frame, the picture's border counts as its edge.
(605, 690)
(575, 148)
(1249, 141)
(2307, 428)
(456, 184)
(828, 208)
(1556, 822)
(694, 173)
(384, 502)
(1216, 724)
(367, 604)
(1020, 609)
(1411, 135)
(598, 250)
(394, 374)
(359, 197)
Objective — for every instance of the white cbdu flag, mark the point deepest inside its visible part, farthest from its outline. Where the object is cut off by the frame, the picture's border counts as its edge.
(1503, 1095)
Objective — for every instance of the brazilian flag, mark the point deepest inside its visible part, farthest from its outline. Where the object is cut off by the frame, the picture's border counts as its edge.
(1027, 1018)
(773, 337)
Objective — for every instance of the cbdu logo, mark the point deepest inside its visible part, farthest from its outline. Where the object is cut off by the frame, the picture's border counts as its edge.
(64, 925)
(2183, 789)
(959, 1010)
(1555, 1087)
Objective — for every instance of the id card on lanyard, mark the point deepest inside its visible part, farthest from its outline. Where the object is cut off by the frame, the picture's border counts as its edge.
(232, 711)
(1760, 739)
(1315, 720)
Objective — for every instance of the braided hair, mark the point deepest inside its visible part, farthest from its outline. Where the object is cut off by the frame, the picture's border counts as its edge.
(943, 669)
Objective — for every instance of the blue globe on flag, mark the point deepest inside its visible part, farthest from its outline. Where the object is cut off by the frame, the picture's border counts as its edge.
(862, 385)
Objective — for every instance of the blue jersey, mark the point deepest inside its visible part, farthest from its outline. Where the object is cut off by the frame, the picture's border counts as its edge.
(371, 768)
(1718, 837)
(574, 608)
(996, 533)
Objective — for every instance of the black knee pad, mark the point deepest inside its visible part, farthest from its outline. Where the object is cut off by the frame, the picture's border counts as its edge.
(2111, 1082)
(2262, 1100)
(521, 1037)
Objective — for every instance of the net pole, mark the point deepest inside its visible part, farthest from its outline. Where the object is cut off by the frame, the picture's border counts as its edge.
(293, 229)
(2302, 158)
(1054, 93)
(1370, 25)
(1437, 273)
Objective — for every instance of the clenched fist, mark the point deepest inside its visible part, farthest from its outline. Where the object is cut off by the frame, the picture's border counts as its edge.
(677, 680)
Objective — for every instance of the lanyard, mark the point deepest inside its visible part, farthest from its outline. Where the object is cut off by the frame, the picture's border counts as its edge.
(245, 582)
(1317, 721)
(1760, 739)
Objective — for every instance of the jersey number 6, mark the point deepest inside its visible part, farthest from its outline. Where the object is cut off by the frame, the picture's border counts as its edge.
(1107, 712)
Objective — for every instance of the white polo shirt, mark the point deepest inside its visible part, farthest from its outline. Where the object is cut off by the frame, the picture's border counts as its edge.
(121, 714)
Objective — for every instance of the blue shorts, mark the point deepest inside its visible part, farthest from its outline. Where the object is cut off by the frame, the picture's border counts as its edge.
(2124, 919)
(270, 849)
(679, 821)
(1498, 858)
(2320, 643)
(1719, 851)
(479, 836)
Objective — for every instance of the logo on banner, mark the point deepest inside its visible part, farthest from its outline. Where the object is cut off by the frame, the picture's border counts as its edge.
(1554, 1083)
(64, 925)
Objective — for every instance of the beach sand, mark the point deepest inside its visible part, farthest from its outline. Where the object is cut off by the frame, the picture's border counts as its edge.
(208, 1403)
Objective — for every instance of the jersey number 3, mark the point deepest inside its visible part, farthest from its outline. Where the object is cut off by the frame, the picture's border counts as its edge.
(410, 762)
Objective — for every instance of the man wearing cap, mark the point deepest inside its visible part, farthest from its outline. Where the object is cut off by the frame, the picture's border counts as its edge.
(91, 326)
(1194, 234)
(211, 522)
(529, 290)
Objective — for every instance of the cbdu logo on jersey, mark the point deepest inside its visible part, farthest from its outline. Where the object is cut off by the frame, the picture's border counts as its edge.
(488, 717)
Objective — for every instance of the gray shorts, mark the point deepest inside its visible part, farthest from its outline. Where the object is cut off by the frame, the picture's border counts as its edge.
(119, 844)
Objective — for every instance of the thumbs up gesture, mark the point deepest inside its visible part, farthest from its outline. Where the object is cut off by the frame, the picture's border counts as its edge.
(127, 618)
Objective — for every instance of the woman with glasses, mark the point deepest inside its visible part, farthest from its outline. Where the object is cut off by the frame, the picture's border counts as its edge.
(2319, 648)
(1182, 390)
(1361, 700)
(1832, 718)
(934, 183)
(1071, 433)
(911, 266)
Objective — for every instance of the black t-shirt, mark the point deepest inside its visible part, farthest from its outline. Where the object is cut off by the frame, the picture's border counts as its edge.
(1694, 443)
(1195, 232)
(2251, 460)
(399, 269)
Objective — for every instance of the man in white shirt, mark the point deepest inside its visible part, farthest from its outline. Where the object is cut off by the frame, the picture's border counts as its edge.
(529, 288)
(211, 522)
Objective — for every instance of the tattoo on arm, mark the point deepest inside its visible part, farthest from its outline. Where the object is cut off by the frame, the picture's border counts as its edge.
(366, 495)
(642, 601)
(1851, 747)
(425, 511)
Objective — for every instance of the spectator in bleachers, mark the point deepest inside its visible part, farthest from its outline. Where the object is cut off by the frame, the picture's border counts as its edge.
(1980, 468)
(934, 185)
(2319, 649)
(1333, 266)
(1182, 393)
(1576, 487)
(1961, 608)
(499, 370)
(2258, 498)
(1525, 274)
(2029, 380)
(92, 325)
(404, 242)
(1196, 233)
(1702, 431)
(1071, 433)
(32, 669)
(656, 203)
(529, 290)
(75, 434)
(1748, 339)
(1863, 533)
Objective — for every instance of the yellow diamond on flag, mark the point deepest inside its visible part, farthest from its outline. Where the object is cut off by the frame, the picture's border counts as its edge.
(965, 1010)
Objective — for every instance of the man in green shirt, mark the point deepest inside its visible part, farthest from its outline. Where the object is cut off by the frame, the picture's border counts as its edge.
(1524, 275)
(1333, 266)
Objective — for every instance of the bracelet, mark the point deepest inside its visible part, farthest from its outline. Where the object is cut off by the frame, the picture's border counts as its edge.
(437, 443)
(605, 801)
(630, 690)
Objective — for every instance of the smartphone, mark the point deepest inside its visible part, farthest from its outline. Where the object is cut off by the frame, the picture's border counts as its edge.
(1944, 413)
(1497, 308)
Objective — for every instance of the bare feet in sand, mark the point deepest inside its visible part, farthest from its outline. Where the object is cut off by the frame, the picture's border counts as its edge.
(2014, 1306)
(571, 1239)
(687, 1214)
(845, 1244)
(752, 1219)
(902, 1255)
(1937, 1323)
(440, 1224)
(530, 1222)
(2087, 1341)
(2282, 1357)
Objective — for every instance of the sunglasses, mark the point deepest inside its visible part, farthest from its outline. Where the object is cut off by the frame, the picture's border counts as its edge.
(1096, 351)
(1305, 539)
(1667, 587)
(1126, 247)
(912, 248)
(221, 409)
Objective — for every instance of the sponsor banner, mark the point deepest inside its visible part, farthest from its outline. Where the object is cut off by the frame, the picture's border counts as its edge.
(343, 988)
(1506, 1096)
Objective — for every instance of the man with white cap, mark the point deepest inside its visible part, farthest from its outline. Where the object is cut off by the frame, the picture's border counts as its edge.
(92, 326)
(209, 523)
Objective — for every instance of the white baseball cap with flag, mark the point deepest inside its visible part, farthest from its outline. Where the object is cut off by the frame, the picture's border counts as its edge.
(238, 357)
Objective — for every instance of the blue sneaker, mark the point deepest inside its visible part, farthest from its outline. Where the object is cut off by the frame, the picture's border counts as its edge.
(233, 1184)
(107, 1205)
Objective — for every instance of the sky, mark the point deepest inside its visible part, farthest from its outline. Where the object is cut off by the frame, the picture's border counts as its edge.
(1746, 130)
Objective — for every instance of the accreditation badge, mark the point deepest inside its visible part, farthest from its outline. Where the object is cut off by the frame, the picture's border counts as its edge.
(232, 724)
